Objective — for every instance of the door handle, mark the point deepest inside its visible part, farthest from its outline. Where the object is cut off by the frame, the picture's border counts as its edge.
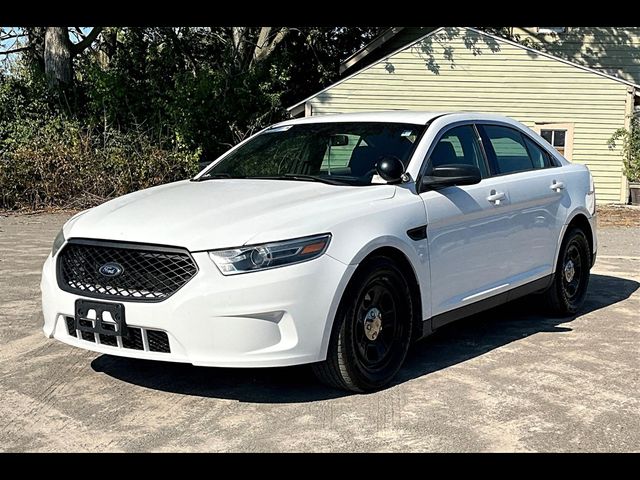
(557, 186)
(496, 197)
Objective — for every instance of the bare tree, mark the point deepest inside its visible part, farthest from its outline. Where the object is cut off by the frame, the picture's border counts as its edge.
(252, 45)
(54, 51)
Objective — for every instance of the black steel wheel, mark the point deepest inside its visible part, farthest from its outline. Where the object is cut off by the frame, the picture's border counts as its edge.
(569, 288)
(372, 329)
(571, 271)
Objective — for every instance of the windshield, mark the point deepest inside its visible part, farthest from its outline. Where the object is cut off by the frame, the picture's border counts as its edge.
(337, 153)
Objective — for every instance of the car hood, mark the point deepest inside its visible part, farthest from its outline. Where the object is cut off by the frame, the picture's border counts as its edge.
(224, 213)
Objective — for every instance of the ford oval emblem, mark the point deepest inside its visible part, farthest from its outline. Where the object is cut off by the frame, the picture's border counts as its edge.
(111, 269)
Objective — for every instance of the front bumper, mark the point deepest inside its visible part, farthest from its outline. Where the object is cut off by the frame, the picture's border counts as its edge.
(271, 318)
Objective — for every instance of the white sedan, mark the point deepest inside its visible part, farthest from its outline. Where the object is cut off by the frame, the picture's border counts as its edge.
(332, 240)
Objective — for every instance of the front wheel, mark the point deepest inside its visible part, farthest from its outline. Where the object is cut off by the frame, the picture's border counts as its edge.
(372, 329)
(569, 288)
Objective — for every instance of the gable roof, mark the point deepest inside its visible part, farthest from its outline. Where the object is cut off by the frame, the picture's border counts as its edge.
(480, 32)
(374, 44)
(385, 43)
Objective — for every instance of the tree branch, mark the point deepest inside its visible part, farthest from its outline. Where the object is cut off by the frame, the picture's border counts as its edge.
(9, 36)
(175, 40)
(263, 37)
(14, 50)
(242, 45)
(264, 49)
(222, 40)
(87, 41)
(237, 34)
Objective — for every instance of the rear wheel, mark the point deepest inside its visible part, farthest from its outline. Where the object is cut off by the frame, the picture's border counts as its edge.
(372, 329)
(569, 288)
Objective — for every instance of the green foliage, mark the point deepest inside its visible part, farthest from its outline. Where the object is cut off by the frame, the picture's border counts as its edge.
(50, 159)
(147, 104)
(58, 163)
(192, 82)
(630, 149)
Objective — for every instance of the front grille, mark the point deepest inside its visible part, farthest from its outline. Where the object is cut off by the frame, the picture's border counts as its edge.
(133, 339)
(156, 340)
(148, 272)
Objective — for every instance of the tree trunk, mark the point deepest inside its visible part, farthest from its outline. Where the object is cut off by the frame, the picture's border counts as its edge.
(58, 64)
(265, 47)
(35, 55)
(107, 46)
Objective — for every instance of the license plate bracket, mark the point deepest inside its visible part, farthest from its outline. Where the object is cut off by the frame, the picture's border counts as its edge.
(86, 324)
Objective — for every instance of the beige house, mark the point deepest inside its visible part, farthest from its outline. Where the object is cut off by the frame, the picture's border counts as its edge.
(575, 86)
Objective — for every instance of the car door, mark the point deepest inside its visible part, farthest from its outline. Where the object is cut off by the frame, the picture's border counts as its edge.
(537, 195)
(468, 227)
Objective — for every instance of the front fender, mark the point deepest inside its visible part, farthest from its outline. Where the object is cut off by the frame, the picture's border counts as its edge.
(386, 225)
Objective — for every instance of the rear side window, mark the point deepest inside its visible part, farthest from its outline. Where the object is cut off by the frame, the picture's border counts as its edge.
(506, 147)
(459, 146)
(539, 157)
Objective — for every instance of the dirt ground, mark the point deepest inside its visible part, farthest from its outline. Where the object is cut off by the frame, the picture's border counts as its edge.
(618, 216)
(510, 379)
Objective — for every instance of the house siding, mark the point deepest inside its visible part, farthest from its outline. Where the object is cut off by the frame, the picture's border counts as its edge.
(458, 69)
(612, 50)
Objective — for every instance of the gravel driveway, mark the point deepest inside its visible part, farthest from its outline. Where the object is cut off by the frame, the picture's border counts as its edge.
(510, 379)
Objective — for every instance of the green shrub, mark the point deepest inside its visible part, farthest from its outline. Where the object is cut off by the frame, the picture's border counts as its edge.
(50, 158)
(53, 162)
(630, 149)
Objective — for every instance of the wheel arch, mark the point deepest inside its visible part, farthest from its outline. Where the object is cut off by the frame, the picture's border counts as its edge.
(408, 267)
(410, 274)
(581, 220)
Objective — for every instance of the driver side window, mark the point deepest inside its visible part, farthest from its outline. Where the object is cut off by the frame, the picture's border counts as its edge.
(458, 146)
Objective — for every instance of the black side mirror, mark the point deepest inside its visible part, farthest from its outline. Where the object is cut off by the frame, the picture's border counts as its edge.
(390, 168)
(454, 174)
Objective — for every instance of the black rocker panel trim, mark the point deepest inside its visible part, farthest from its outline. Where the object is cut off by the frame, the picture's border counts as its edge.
(433, 323)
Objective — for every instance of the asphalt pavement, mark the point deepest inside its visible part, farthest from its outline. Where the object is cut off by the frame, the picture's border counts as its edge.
(510, 379)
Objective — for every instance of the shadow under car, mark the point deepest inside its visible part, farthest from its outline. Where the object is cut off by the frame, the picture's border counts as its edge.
(450, 345)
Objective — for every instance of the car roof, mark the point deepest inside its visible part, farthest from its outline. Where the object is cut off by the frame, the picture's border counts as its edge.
(398, 116)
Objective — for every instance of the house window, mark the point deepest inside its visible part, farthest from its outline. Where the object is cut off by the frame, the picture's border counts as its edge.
(552, 29)
(559, 135)
(557, 138)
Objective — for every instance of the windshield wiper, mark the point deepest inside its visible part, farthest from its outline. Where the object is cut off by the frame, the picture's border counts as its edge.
(286, 176)
(305, 178)
(311, 178)
(210, 176)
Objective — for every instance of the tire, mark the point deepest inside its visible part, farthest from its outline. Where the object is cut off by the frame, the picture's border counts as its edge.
(372, 330)
(566, 294)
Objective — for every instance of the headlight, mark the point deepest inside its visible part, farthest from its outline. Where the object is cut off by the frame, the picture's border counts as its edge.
(57, 243)
(269, 255)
